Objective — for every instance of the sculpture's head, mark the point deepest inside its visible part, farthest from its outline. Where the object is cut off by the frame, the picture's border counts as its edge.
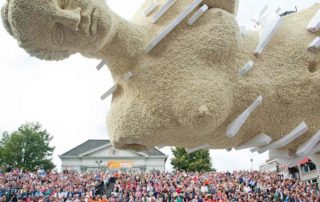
(55, 29)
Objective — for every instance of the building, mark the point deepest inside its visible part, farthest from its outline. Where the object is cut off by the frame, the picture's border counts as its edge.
(274, 166)
(271, 165)
(306, 169)
(100, 154)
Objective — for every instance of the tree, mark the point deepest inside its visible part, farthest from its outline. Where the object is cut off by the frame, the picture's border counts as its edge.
(196, 161)
(27, 148)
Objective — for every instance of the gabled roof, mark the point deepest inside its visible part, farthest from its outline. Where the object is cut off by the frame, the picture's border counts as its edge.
(86, 146)
(92, 144)
(154, 152)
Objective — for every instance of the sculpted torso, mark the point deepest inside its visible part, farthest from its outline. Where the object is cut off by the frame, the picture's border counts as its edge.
(187, 90)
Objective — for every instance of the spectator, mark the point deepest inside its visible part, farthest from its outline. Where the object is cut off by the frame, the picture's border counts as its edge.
(69, 186)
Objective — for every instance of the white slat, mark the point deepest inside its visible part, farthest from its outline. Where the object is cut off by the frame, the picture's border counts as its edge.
(109, 92)
(315, 149)
(172, 25)
(295, 133)
(198, 14)
(246, 68)
(268, 36)
(127, 76)
(314, 24)
(197, 148)
(235, 126)
(100, 65)
(315, 44)
(282, 154)
(305, 148)
(258, 16)
(163, 10)
(152, 6)
(268, 18)
(258, 141)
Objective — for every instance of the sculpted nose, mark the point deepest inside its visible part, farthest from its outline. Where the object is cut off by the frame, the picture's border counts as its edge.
(69, 18)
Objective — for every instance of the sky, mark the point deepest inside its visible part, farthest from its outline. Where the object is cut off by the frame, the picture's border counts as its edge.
(64, 96)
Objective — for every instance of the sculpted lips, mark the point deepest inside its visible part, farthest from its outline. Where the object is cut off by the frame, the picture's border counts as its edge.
(93, 23)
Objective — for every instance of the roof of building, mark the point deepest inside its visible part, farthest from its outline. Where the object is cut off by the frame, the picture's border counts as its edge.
(91, 144)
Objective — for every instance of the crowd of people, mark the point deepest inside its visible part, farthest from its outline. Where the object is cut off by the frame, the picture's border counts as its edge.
(154, 186)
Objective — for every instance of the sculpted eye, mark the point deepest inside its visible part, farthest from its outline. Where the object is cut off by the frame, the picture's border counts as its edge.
(58, 35)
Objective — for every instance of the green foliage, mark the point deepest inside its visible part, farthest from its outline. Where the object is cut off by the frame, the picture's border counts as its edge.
(196, 161)
(26, 148)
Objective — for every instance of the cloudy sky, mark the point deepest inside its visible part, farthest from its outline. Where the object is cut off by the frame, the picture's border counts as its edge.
(64, 96)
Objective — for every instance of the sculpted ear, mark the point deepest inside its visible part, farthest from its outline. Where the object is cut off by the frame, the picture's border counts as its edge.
(228, 5)
(5, 19)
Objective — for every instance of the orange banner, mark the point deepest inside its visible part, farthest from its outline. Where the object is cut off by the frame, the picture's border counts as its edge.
(119, 164)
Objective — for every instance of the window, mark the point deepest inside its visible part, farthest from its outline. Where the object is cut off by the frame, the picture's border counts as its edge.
(308, 167)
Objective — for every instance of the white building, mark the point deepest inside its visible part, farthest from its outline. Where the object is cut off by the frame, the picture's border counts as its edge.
(306, 169)
(98, 154)
(271, 165)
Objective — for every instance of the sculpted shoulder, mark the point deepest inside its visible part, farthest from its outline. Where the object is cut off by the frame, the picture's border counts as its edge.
(214, 34)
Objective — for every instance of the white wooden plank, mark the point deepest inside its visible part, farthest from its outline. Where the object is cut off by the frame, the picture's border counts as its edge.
(127, 76)
(282, 154)
(197, 148)
(315, 149)
(109, 92)
(160, 146)
(270, 17)
(246, 68)
(100, 65)
(268, 36)
(172, 25)
(235, 126)
(152, 6)
(262, 12)
(305, 148)
(163, 10)
(252, 150)
(257, 17)
(315, 44)
(295, 133)
(198, 14)
(314, 24)
(257, 141)
(263, 149)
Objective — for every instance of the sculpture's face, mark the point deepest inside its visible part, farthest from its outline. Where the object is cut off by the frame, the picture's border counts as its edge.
(73, 25)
